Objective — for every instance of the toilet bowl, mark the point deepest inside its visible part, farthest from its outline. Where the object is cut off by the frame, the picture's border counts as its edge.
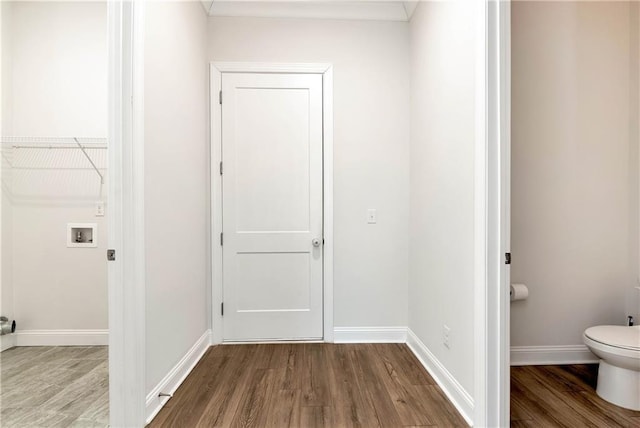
(618, 348)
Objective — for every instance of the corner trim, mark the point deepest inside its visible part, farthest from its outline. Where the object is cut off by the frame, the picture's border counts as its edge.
(370, 334)
(545, 355)
(450, 386)
(62, 338)
(170, 383)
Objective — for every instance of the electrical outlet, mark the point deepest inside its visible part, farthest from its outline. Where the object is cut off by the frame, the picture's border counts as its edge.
(100, 209)
(446, 336)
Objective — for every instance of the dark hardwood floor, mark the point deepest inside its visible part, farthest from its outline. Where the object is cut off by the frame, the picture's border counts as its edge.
(309, 385)
(563, 396)
(372, 385)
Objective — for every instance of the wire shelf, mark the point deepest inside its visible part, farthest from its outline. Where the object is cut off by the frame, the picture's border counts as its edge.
(23, 142)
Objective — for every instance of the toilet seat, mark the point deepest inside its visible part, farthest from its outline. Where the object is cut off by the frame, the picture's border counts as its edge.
(622, 337)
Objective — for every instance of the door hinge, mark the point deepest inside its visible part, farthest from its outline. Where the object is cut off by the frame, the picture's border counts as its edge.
(507, 258)
(111, 255)
(220, 168)
(222, 308)
(221, 239)
(220, 97)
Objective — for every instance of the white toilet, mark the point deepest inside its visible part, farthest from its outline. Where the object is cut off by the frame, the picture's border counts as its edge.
(619, 374)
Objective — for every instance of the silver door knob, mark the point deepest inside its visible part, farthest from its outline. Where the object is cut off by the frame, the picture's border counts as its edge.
(315, 242)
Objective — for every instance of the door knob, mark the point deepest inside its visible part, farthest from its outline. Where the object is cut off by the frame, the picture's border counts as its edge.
(315, 242)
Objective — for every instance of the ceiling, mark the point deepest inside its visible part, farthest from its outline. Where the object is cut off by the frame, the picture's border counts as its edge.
(330, 9)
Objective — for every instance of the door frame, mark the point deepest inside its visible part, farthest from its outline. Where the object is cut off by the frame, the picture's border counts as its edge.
(502, 14)
(125, 213)
(216, 70)
(492, 214)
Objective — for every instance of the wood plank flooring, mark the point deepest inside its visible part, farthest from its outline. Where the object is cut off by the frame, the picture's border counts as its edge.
(563, 396)
(309, 385)
(54, 387)
(294, 385)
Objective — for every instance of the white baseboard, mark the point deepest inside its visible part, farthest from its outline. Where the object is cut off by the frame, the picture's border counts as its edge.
(545, 355)
(370, 334)
(170, 383)
(460, 398)
(7, 341)
(61, 337)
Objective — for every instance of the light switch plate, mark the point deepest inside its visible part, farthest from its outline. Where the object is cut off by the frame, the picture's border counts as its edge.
(100, 209)
(372, 216)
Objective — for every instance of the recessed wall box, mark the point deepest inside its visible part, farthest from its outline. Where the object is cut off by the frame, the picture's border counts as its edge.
(82, 235)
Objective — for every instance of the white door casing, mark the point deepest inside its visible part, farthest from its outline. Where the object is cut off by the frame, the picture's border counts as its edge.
(493, 96)
(272, 192)
(125, 214)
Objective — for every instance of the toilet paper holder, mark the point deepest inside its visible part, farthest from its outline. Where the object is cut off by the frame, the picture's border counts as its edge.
(518, 292)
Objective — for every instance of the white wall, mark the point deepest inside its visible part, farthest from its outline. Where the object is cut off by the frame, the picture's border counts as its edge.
(633, 296)
(59, 68)
(58, 82)
(371, 147)
(574, 168)
(6, 10)
(442, 183)
(6, 216)
(176, 183)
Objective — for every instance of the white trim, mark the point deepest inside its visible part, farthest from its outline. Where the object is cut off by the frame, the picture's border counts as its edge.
(271, 67)
(370, 334)
(269, 342)
(216, 203)
(7, 341)
(216, 70)
(351, 10)
(327, 168)
(481, 285)
(460, 398)
(502, 404)
(126, 275)
(170, 383)
(61, 338)
(492, 214)
(547, 355)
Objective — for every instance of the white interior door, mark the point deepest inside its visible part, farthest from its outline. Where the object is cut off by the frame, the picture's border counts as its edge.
(272, 206)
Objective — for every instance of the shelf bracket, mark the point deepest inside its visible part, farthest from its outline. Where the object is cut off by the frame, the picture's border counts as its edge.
(84, 152)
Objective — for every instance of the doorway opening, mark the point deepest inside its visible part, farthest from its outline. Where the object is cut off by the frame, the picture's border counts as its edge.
(55, 175)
